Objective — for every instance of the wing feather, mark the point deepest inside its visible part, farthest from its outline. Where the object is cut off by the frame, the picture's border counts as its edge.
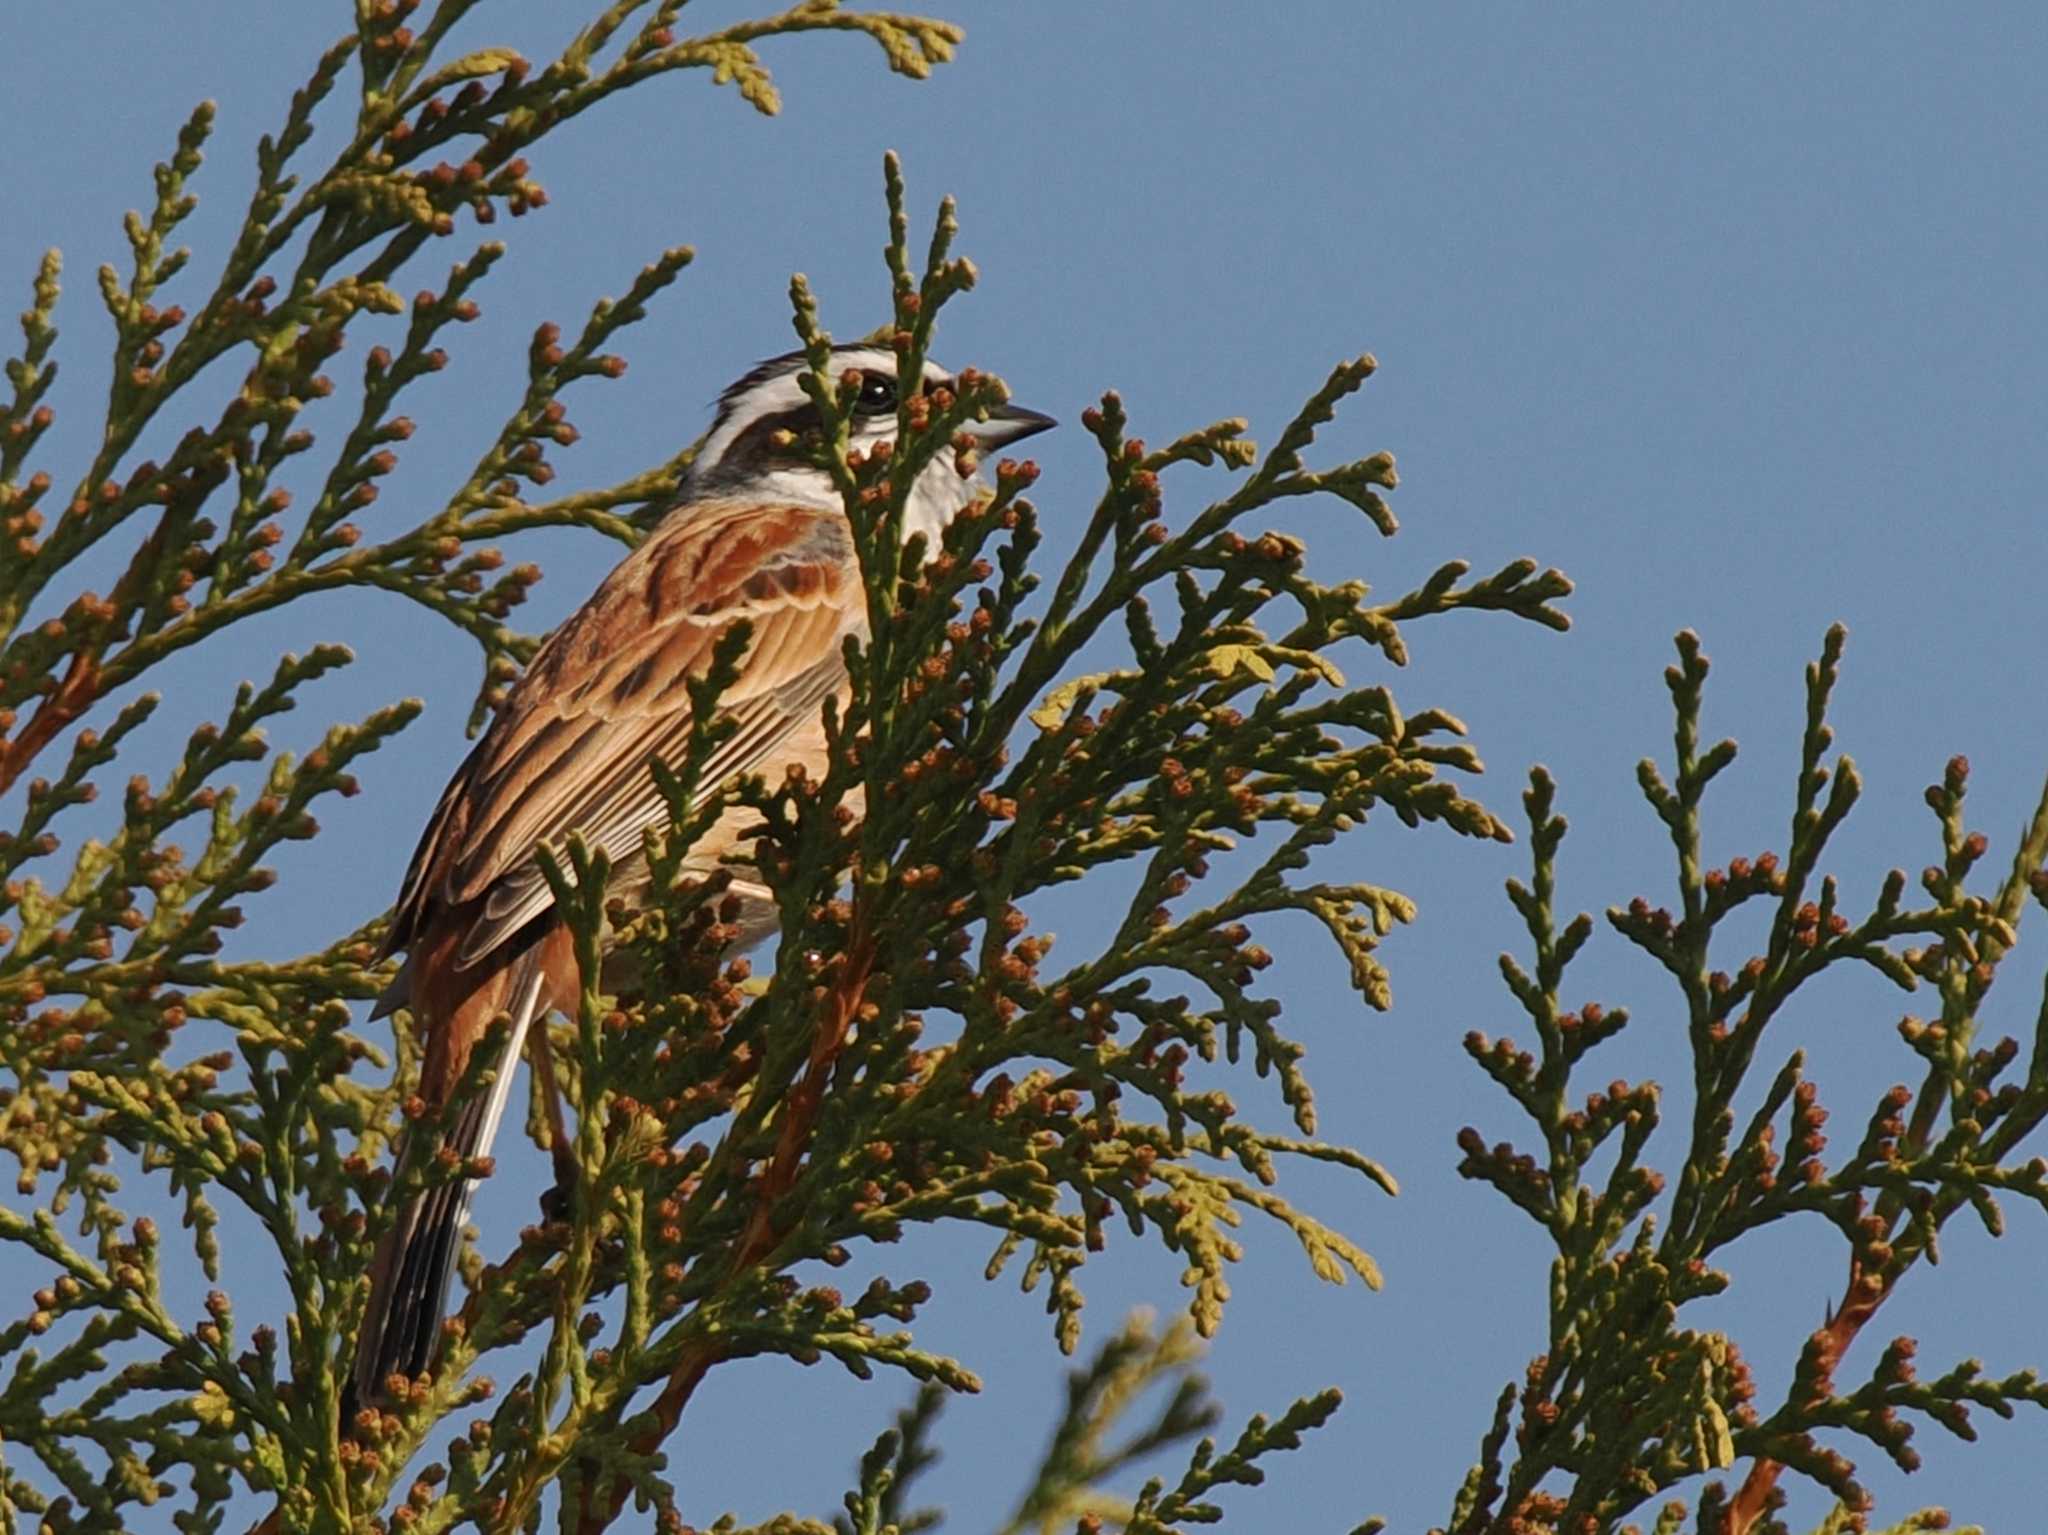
(569, 750)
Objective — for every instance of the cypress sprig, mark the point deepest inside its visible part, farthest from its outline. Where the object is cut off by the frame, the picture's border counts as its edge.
(1160, 1510)
(1624, 1404)
(728, 1134)
(921, 1049)
(106, 964)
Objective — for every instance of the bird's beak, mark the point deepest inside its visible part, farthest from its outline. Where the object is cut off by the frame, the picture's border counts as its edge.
(1007, 424)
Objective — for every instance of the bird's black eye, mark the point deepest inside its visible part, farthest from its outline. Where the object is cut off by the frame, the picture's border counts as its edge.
(877, 394)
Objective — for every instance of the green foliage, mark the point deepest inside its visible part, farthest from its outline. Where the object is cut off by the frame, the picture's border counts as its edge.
(1067, 1489)
(732, 1130)
(729, 1129)
(1625, 1402)
(915, 1056)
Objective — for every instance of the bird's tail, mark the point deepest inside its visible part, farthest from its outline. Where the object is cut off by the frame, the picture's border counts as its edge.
(415, 1261)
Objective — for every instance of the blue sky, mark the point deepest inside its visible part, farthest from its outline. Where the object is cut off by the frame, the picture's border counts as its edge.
(1735, 314)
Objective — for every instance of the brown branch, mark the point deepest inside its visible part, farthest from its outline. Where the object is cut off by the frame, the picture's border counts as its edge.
(601, 1505)
(809, 1094)
(81, 686)
(1865, 1293)
(74, 695)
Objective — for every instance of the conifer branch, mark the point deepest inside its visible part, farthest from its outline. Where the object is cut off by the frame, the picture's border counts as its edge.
(1625, 1403)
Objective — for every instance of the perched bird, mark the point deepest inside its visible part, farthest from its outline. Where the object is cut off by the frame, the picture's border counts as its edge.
(756, 533)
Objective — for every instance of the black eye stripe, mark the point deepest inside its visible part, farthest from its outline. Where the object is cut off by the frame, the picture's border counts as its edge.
(755, 450)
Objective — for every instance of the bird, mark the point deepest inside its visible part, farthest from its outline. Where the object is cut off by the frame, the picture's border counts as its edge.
(755, 532)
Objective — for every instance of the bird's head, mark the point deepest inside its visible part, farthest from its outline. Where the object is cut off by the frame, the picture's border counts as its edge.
(756, 445)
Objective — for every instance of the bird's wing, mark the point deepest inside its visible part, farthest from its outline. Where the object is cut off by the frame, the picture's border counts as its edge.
(569, 750)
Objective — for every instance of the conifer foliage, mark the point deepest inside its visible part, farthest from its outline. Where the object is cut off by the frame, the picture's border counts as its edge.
(915, 1049)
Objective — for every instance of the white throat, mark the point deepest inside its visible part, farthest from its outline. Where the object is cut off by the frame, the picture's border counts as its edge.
(939, 496)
